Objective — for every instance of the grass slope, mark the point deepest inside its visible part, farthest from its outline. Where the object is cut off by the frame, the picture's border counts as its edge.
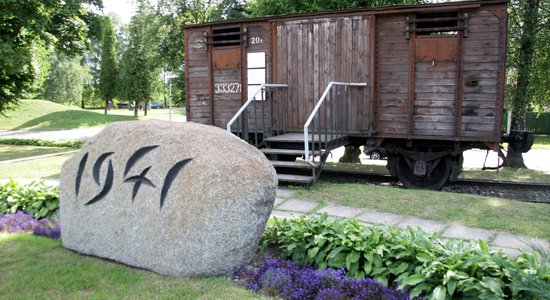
(39, 268)
(46, 115)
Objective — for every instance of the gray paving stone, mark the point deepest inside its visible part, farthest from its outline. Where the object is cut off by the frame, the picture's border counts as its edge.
(377, 217)
(298, 205)
(508, 240)
(278, 201)
(283, 214)
(457, 231)
(511, 253)
(426, 225)
(340, 211)
(285, 193)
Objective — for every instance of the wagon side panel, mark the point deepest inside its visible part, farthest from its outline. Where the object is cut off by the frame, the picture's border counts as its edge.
(484, 57)
(392, 55)
(196, 78)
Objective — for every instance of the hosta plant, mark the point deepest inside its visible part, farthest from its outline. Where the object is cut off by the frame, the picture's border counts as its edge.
(418, 263)
(36, 198)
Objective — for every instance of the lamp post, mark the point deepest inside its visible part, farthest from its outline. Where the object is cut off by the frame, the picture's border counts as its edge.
(168, 77)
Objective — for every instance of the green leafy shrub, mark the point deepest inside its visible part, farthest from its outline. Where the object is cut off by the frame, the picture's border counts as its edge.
(415, 261)
(42, 143)
(35, 198)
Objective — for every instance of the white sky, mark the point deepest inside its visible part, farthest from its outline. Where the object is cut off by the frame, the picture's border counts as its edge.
(123, 8)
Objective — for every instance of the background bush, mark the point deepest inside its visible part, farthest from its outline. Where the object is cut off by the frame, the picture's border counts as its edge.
(35, 198)
(415, 261)
(42, 143)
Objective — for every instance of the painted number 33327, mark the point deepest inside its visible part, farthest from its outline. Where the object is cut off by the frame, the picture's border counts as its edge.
(227, 88)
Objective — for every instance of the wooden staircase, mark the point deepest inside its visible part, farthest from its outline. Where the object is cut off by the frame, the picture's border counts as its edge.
(285, 153)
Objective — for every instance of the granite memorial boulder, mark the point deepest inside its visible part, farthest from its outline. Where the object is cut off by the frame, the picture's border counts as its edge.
(175, 198)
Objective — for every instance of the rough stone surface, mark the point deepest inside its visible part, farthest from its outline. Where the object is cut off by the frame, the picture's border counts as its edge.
(426, 225)
(340, 211)
(285, 193)
(379, 217)
(176, 198)
(505, 239)
(457, 231)
(284, 214)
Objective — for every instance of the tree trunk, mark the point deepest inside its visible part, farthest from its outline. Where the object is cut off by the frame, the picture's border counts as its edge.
(106, 105)
(514, 158)
(136, 108)
(351, 155)
(529, 19)
(145, 106)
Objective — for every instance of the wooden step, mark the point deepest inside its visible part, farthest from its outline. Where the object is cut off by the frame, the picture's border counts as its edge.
(301, 179)
(296, 152)
(294, 164)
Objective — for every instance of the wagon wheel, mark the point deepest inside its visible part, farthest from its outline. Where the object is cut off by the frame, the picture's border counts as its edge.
(436, 173)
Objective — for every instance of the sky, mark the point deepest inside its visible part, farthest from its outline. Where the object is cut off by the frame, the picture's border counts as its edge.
(123, 8)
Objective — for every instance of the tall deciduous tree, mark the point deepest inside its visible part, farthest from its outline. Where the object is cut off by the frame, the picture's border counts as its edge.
(139, 66)
(108, 73)
(22, 22)
(528, 65)
(65, 82)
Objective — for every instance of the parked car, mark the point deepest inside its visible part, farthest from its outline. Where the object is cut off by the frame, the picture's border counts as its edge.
(375, 152)
(157, 105)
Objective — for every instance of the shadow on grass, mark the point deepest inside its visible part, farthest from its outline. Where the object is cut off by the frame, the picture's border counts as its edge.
(71, 119)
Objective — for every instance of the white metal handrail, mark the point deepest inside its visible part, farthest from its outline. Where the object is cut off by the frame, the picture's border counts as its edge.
(316, 109)
(250, 99)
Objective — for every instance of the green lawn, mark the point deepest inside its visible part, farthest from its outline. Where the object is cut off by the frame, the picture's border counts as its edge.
(504, 174)
(542, 142)
(45, 168)
(8, 152)
(485, 212)
(46, 115)
(40, 268)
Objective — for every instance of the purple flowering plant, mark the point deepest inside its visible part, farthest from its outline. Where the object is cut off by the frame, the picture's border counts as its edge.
(22, 222)
(287, 279)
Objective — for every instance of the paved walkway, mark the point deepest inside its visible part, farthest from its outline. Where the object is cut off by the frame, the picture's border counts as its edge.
(84, 134)
(288, 207)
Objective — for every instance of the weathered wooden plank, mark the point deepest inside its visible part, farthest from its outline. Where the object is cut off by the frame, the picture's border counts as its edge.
(430, 110)
(443, 132)
(481, 58)
(489, 98)
(480, 67)
(484, 43)
(447, 89)
(431, 81)
(478, 119)
(434, 97)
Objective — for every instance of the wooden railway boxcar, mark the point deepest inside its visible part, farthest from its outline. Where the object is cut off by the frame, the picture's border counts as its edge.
(425, 82)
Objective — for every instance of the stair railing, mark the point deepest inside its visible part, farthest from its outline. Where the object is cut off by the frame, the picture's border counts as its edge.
(268, 95)
(328, 123)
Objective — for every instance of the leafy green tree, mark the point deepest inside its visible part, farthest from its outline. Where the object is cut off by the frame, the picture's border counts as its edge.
(139, 67)
(109, 68)
(528, 64)
(65, 83)
(258, 8)
(23, 22)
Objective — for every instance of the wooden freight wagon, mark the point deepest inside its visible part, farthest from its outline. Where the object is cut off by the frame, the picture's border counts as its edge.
(425, 82)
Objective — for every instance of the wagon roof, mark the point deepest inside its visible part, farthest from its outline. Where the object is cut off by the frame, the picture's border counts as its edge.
(370, 10)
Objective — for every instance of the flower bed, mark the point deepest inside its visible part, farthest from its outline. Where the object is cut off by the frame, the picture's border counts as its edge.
(21, 222)
(287, 279)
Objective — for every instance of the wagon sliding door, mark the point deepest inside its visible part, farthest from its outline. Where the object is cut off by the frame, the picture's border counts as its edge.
(226, 70)
(435, 41)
